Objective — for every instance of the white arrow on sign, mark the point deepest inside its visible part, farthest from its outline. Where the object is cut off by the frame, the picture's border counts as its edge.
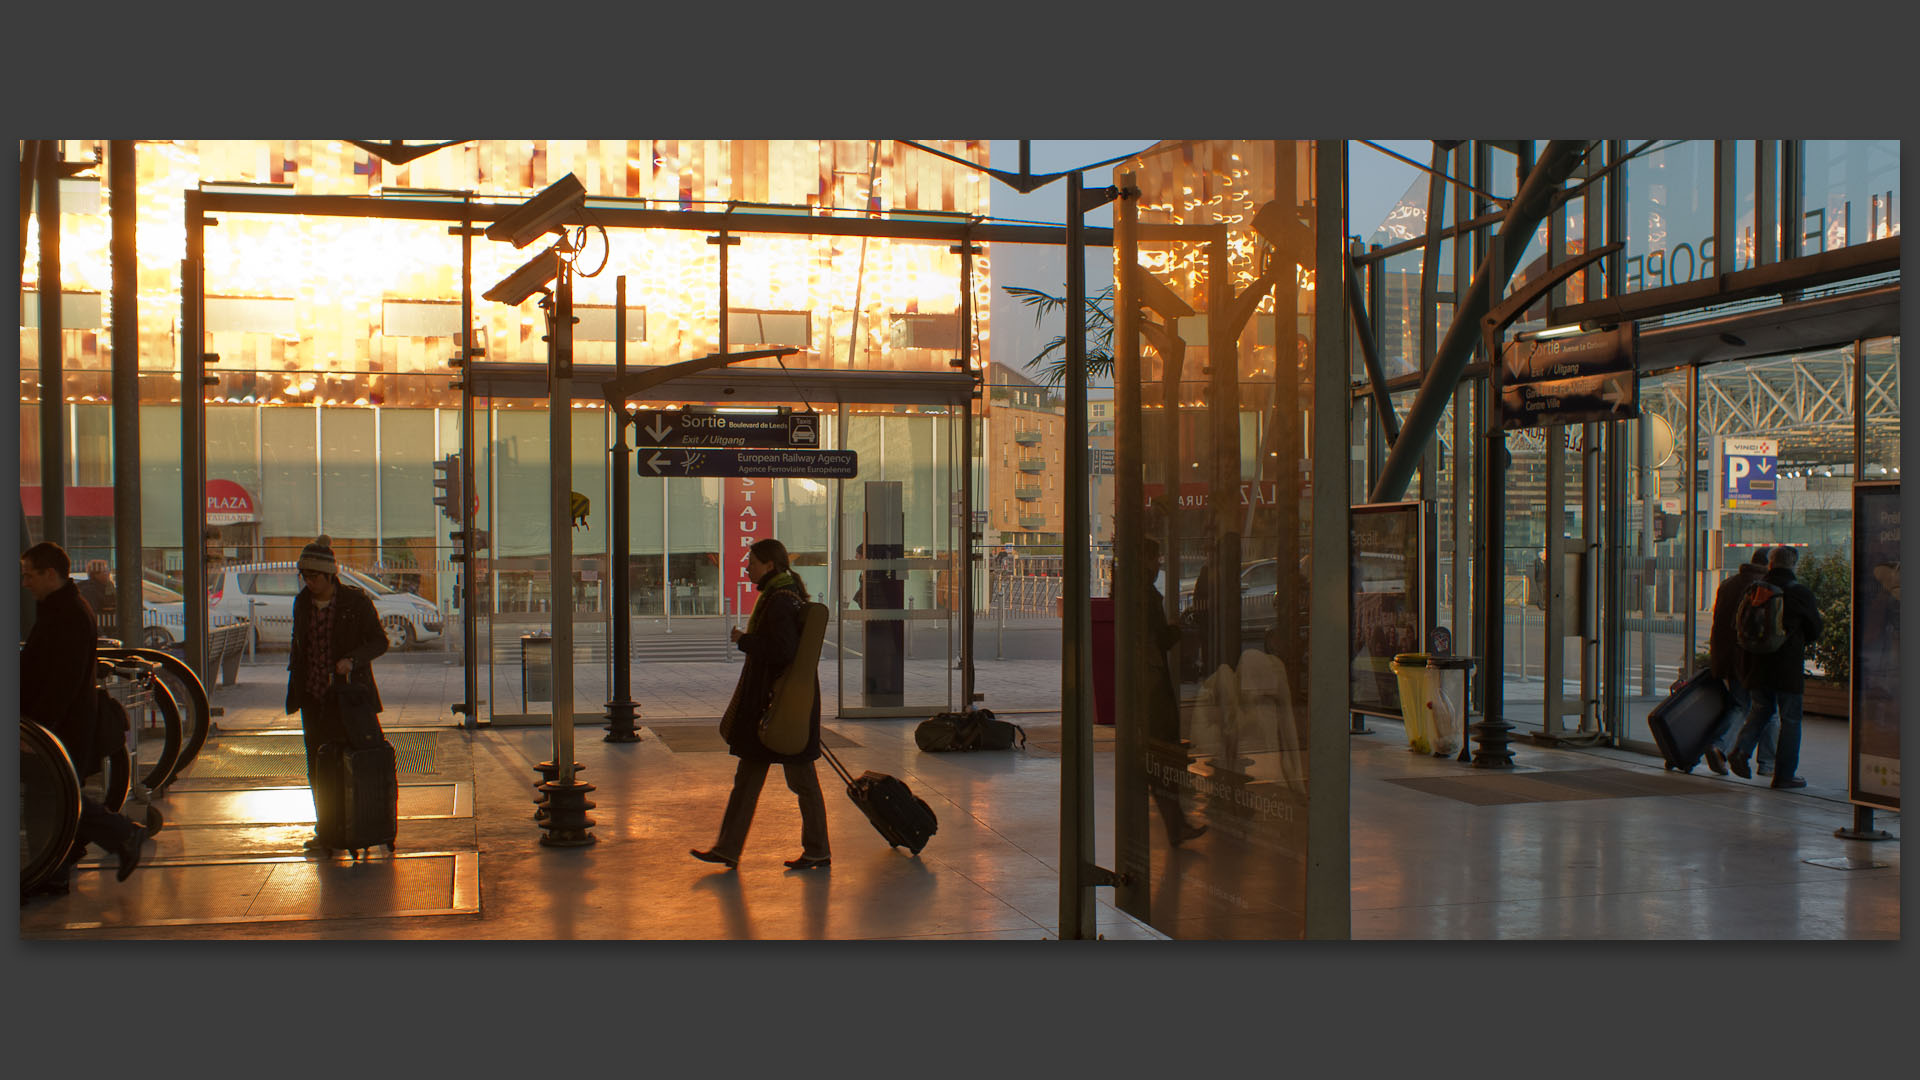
(656, 432)
(1518, 365)
(1766, 465)
(655, 462)
(1614, 391)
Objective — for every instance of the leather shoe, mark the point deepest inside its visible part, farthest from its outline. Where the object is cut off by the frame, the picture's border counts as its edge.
(1790, 782)
(716, 857)
(1716, 761)
(804, 863)
(130, 852)
(1739, 767)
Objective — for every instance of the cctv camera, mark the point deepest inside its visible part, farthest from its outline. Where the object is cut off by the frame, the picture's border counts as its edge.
(529, 279)
(541, 214)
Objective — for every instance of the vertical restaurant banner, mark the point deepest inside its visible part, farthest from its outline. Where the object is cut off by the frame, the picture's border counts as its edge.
(1873, 768)
(746, 517)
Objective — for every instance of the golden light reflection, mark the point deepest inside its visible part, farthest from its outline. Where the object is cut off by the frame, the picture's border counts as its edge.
(334, 276)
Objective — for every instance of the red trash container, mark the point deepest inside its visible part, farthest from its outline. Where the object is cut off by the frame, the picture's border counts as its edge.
(1103, 659)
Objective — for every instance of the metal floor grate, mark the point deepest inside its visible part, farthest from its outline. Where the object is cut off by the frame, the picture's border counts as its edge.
(285, 754)
(1493, 789)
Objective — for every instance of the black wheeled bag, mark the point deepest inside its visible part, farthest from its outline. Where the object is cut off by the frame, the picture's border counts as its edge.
(356, 783)
(976, 730)
(1681, 724)
(356, 797)
(902, 818)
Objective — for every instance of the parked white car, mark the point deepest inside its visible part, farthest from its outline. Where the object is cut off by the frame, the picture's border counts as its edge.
(264, 592)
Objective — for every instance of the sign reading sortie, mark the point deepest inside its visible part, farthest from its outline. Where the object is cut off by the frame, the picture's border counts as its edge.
(229, 504)
(746, 516)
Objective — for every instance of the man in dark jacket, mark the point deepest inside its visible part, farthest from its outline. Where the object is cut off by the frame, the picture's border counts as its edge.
(1778, 679)
(336, 631)
(57, 691)
(1725, 659)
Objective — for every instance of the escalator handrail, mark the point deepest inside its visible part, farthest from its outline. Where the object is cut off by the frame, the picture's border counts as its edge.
(168, 761)
(46, 742)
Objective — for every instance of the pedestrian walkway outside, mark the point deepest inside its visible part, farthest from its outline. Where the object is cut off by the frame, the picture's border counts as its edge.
(1573, 844)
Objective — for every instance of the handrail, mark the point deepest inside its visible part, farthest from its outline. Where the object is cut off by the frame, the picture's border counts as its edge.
(49, 796)
(202, 710)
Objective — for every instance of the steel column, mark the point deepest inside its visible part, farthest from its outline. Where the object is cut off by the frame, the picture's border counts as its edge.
(1132, 849)
(1077, 877)
(566, 822)
(1329, 871)
(470, 463)
(968, 554)
(53, 417)
(123, 212)
(193, 444)
(622, 713)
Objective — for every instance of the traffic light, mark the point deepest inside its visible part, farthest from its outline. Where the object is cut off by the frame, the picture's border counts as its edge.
(448, 482)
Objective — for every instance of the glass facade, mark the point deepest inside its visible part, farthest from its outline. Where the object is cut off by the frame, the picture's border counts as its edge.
(1226, 245)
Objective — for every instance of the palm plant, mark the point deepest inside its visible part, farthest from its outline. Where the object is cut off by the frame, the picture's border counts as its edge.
(1052, 360)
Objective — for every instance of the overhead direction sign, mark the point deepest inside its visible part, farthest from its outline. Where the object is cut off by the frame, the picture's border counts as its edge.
(700, 427)
(775, 462)
(1584, 378)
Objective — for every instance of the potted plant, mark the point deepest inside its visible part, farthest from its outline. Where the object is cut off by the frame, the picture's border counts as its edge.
(1831, 579)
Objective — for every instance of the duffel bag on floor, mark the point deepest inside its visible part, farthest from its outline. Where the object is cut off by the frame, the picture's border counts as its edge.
(976, 730)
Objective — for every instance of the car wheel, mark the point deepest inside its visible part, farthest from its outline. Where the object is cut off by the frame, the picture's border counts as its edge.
(155, 638)
(399, 631)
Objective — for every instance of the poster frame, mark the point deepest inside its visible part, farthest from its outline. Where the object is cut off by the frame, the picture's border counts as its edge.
(1422, 511)
(1865, 494)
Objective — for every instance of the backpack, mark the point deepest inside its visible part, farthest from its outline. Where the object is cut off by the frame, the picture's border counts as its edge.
(976, 730)
(1759, 623)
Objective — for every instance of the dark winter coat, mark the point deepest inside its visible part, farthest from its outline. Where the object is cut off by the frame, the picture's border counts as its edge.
(1163, 703)
(1724, 655)
(1784, 671)
(57, 673)
(770, 647)
(357, 636)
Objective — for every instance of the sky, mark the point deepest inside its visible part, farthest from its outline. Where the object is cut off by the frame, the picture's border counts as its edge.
(1376, 183)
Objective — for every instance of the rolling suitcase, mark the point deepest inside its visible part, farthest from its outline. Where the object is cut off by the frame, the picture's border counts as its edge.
(902, 818)
(1681, 724)
(356, 783)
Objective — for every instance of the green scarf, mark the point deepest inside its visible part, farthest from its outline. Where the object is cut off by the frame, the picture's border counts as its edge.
(780, 579)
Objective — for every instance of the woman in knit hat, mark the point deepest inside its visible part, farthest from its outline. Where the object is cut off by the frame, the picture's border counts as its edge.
(336, 631)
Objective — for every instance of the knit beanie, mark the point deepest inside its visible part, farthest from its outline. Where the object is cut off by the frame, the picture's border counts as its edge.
(318, 556)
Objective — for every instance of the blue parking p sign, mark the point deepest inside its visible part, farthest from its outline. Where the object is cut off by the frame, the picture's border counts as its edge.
(1750, 468)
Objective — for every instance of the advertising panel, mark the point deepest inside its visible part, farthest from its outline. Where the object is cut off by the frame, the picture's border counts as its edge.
(1386, 575)
(1873, 750)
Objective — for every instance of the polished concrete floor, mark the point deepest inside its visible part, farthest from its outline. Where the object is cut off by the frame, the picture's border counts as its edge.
(1575, 844)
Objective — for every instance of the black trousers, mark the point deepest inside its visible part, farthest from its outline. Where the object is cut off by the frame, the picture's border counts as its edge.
(748, 778)
(318, 725)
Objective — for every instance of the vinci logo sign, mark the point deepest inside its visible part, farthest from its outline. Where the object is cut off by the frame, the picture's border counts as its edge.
(1751, 471)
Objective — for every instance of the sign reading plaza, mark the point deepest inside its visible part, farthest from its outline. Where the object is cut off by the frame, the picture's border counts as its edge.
(703, 427)
(811, 464)
(1579, 379)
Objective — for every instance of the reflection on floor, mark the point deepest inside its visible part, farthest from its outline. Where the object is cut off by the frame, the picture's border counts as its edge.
(1572, 844)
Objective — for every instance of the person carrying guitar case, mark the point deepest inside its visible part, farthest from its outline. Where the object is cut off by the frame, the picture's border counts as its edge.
(772, 642)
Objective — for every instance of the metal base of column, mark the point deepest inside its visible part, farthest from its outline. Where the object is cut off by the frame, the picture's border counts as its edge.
(1491, 751)
(1862, 828)
(1357, 725)
(549, 773)
(567, 823)
(622, 721)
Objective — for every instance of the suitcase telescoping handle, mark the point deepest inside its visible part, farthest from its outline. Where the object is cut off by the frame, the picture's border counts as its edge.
(837, 767)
